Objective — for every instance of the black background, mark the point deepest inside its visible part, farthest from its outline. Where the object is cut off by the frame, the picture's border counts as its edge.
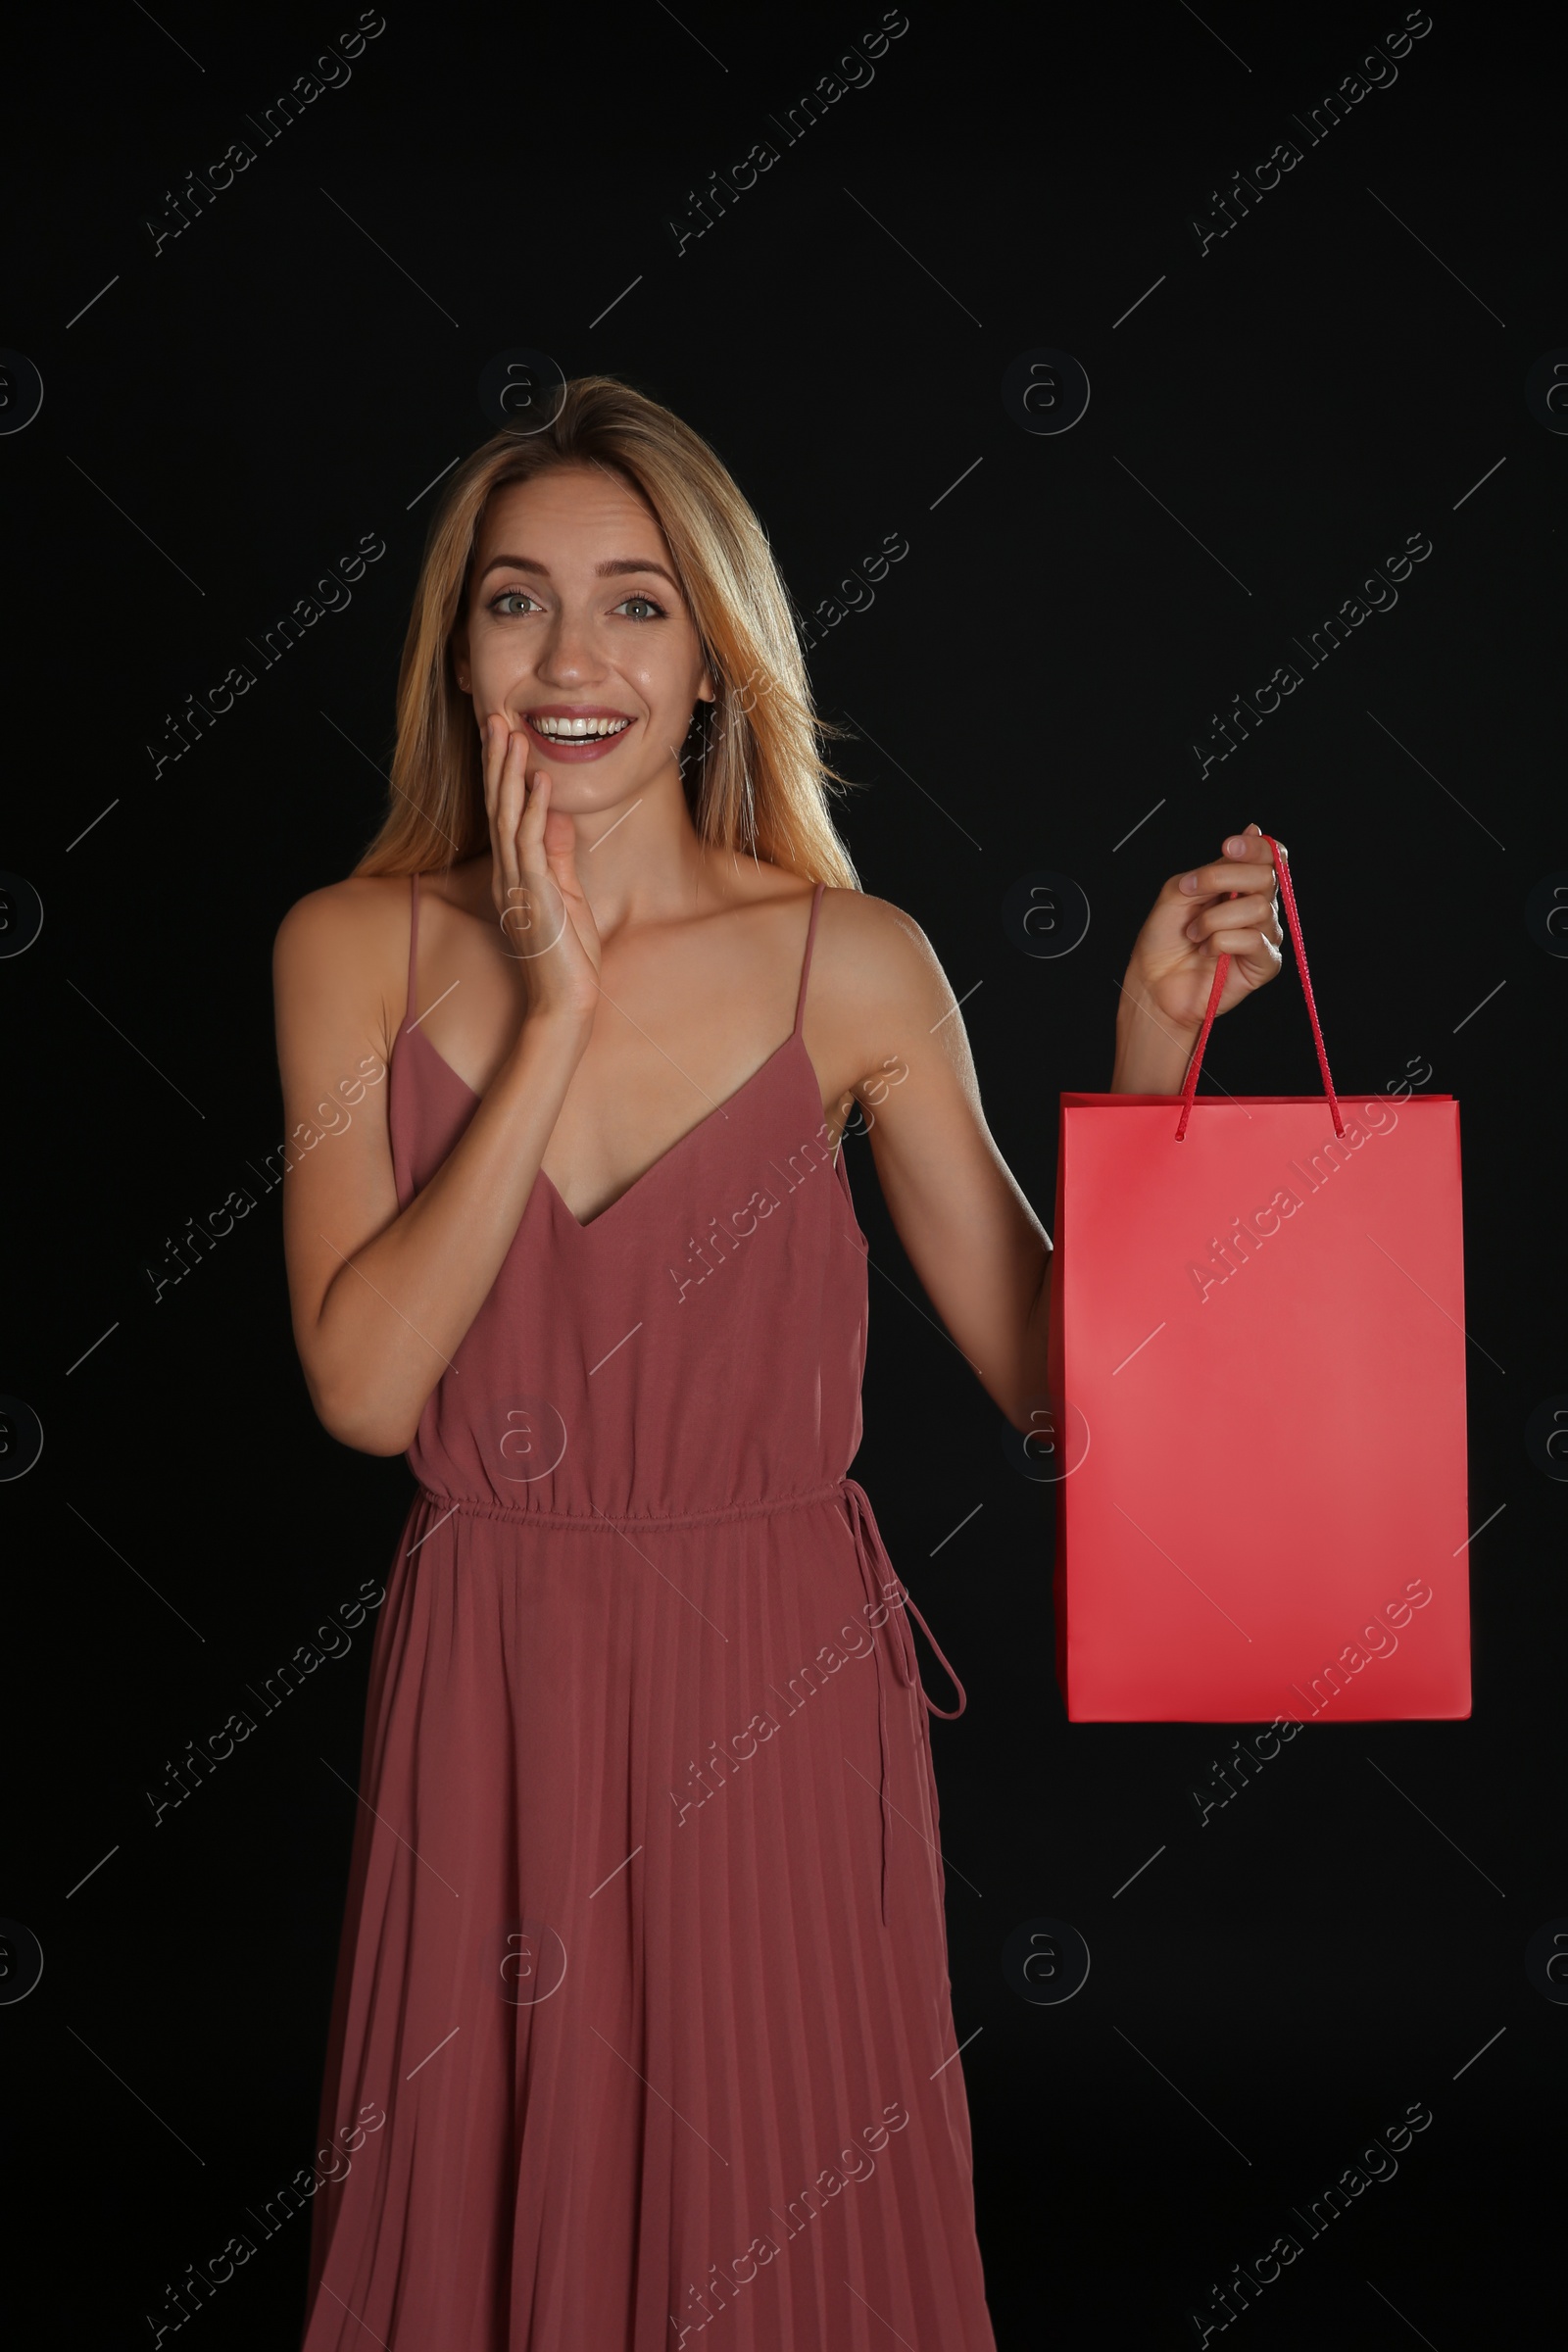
(224, 421)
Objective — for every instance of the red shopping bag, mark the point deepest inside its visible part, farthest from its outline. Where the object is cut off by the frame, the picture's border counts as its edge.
(1257, 1374)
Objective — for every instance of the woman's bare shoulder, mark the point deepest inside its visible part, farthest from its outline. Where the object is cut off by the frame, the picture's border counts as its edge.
(360, 912)
(875, 946)
(346, 945)
(877, 992)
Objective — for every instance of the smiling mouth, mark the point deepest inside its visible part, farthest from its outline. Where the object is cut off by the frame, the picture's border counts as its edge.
(577, 730)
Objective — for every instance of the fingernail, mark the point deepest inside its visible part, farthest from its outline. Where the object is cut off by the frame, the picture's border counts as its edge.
(1192, 930)
(1188, 882)
(1235, 846)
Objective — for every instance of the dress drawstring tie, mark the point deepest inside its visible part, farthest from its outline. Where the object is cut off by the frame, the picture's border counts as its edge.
(888, 1594)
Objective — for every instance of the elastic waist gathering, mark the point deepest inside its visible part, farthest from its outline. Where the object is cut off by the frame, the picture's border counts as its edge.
(484, 1506)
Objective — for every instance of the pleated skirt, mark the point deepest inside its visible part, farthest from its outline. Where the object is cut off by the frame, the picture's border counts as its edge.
(625, 2052)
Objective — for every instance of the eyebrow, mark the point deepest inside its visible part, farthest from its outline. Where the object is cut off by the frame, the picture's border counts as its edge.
(615, 570)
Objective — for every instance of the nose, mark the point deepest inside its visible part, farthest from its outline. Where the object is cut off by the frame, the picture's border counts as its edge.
(570, 656)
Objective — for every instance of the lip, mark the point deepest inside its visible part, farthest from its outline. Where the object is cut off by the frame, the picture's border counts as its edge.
(575, 754)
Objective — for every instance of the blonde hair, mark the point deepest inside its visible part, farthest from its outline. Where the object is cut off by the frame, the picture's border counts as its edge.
(759, 783)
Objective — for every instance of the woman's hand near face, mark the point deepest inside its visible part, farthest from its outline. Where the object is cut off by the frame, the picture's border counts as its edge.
(546, 921)
(383, 1293)
(1228, 909)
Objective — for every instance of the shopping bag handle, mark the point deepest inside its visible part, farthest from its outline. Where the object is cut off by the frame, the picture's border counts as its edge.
(1281, 871)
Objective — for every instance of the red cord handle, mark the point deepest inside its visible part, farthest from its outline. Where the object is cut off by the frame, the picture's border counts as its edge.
(1281, 871)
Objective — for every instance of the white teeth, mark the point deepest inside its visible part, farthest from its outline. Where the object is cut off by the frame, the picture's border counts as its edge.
(573, 728)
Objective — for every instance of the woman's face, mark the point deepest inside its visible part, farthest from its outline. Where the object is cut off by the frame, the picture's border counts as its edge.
(577, 634)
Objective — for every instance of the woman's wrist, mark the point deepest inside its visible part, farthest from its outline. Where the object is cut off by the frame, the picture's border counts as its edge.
(549, 1044)
(1152, 1051)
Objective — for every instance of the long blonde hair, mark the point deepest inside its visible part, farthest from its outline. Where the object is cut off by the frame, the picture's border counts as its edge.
(758, 782)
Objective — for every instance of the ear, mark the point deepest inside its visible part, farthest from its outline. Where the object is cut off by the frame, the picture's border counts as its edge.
(459, 644)
(708, 690)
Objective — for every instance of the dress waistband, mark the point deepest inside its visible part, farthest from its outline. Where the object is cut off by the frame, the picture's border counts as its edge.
(485, 1506)
(886, 1593)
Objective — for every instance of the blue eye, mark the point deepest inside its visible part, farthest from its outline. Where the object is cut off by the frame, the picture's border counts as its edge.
(507, 601)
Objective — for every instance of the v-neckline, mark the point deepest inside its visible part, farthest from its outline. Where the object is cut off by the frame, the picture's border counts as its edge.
(589, 1224)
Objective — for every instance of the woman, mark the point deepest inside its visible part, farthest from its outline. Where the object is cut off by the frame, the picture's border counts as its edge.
(643, 2008)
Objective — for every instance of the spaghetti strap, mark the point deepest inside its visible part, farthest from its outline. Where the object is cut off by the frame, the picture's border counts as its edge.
(414, 948)
(806, 961)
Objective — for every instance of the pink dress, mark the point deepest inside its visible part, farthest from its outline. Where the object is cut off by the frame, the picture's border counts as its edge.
(642, 2032)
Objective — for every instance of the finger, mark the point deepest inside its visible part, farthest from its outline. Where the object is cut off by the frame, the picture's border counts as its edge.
(1253, 871)
(541, 897)
(490, 761)
(560, 848)
(1253, 842)
(568, 887)
(519, 896)
(498, 746)
(1247, 847)
(1213, 881)
(493, 737)
(1229, 914)
(508, 809)
(1253, 948)
(532, 817)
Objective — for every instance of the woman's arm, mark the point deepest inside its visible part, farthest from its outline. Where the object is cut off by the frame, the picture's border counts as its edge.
(978, 1248)
(381, 1298)
(980, 1252)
